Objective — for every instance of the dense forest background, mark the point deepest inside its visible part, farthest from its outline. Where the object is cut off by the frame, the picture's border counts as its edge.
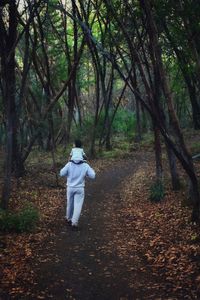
(108, 72)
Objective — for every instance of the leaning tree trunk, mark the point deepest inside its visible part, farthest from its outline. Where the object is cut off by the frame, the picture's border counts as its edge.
(186, 158)
(189, 167)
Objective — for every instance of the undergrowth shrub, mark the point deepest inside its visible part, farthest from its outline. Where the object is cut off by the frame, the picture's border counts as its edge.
(157, 192)
(195, 147)
(124, 123)
(23, 221)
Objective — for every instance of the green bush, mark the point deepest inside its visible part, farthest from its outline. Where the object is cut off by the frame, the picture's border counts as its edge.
(84, 131)
(23, 221)
(195, 147)
(124, 123)
(157, 192)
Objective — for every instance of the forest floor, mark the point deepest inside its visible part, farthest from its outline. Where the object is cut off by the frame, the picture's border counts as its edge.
(127, 246)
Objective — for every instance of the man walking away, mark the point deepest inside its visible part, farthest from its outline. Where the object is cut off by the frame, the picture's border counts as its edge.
(75, 172)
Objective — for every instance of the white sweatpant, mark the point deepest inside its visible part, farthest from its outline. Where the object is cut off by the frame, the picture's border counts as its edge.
(75, 199)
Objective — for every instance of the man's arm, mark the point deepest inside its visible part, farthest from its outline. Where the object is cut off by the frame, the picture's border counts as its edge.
(90, 173)
(64, 171)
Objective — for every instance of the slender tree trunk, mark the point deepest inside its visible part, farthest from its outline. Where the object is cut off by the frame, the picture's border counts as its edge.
(173, 169)
(108, 120)
(117, 106)
(138, 136)
(187, 21)
(158, 153)
(72, 85)
(183, 63)
(94, 129)
(71, 102)
(194, 102)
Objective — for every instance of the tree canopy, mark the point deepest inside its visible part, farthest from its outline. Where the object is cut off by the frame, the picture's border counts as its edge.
(70, 68)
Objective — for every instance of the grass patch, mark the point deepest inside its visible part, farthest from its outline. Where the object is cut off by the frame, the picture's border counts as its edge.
(157, 191)
(195, 147)
(23, 221)
(147, 140)
(116, 153)
(44, 158)
(121, 148)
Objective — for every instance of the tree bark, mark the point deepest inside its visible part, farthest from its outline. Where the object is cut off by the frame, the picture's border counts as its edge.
(8, 80)
(158, 153)
(173, 169)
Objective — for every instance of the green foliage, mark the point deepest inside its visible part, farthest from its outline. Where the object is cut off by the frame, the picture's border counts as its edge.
(148, 140)
(124, 122)
(195, 147)
(23, 221)
(157, 192)
(121, 148)
(84, 131)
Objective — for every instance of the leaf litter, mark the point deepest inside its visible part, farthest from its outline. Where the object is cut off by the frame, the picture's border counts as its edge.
(155, 241)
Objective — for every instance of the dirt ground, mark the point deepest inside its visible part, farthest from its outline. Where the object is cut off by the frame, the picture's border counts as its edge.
(108, 257)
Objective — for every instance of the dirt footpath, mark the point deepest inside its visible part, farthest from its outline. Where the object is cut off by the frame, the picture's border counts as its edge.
(81, 265)
(106, 259)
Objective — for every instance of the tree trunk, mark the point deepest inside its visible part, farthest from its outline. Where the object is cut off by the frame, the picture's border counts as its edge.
(158, 153)
(194, 102)
(94, 129)
(72, 86)
(186, 157)
(8, 80)
(138, 136)
(70, 104)
(173, 169)
(183, 63)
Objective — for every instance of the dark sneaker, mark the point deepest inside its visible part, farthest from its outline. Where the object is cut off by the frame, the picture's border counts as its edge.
(75, 228)
(69, 222)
